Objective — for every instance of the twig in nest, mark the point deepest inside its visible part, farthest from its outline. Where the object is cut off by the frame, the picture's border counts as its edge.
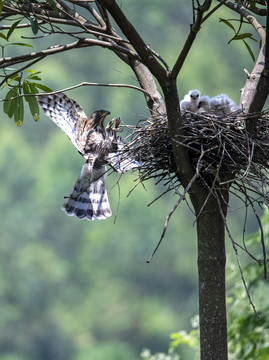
(222, 154)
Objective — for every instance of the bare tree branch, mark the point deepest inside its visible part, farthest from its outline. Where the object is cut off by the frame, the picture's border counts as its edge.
(190, 39)
(84, 84)
(8, 61)
(8, 76)
(47, 15)
(132, 35)
(256, 89)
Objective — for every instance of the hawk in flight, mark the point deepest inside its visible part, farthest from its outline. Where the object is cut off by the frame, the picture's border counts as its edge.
(97, 144)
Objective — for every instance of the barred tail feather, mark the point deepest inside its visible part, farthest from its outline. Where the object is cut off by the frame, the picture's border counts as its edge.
(88, 203)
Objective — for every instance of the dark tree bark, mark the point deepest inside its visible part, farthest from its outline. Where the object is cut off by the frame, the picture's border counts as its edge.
(211, 243)
(256, 88)
(211, 270)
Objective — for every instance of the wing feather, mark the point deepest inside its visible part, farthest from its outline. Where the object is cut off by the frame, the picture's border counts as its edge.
(64, 112)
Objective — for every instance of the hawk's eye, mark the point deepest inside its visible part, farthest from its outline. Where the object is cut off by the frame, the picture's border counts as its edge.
(100, 113)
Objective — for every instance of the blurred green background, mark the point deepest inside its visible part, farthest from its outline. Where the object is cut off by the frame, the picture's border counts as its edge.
(77, 290)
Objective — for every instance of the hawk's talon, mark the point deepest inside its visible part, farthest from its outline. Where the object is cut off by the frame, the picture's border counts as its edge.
(116, 123)
(109, 125)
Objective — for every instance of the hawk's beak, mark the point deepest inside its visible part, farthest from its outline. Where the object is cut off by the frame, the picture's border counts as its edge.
(105, 113)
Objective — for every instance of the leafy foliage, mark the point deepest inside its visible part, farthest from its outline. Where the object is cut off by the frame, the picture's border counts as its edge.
(178, 339)
(13, 105)
(22, 85)
(184, 338)
(146, 354)
(249, 335)
(240, 36)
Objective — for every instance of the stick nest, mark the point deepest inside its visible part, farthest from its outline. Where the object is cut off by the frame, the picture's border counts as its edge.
(222, 154)
(219, 148)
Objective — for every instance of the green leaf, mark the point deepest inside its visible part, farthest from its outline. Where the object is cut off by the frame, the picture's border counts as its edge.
(19, 111)
(34, 108)
(249, 50)
(227, 23)
(34, 77)
(12, 28)
(10, 108)
(2, 2)
(9, 104)
(242, 36)
(34, 25)
(20, 44)
(33, 89)
(25, 88)
(32, 102)
(15, 77)
(3, 36)
(182, 337)
(53, 5)
(33, 72)
(42, 87)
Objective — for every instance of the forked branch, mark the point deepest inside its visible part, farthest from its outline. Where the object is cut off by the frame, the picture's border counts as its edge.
(145, 53)
(194, 29)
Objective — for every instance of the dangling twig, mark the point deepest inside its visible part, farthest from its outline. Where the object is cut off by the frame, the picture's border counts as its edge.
(182, 197)
(221, 152)
(237, 258)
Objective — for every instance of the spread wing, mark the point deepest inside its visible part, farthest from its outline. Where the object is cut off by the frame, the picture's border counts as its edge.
(64, 112)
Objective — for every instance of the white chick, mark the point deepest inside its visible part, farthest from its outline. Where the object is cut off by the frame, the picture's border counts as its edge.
(219, 105)
(223, 105)
(190, 101)
(204, 103)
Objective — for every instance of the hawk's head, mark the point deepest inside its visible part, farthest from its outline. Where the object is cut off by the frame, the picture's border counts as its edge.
(99, 116)
(194, 94)
(204, 102)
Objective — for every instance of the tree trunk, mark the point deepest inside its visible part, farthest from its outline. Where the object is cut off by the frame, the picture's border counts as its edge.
(211, 270)
(211, 243)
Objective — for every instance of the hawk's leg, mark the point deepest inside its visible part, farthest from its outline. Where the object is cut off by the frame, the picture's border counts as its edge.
(111, 133)
(109, 129)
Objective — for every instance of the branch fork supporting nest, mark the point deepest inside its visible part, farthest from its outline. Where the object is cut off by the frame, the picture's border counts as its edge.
(222, 154)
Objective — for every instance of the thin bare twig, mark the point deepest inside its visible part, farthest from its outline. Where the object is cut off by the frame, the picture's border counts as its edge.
(182, 197)
(237, 258)
(8, 61)
(194, 29)
(8, 76)
(134, 37)
(79, 85)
